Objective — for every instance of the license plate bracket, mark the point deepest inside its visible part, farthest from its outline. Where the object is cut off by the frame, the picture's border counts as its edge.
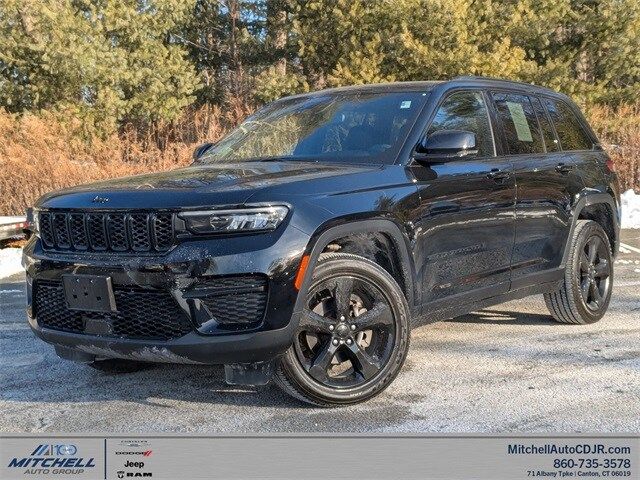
(90, 293)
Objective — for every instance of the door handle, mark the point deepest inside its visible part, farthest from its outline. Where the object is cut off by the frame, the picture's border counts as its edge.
(563, 168)
(498, 175)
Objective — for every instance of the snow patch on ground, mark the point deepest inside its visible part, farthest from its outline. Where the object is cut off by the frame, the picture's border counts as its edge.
(630, 204)
(10, 261)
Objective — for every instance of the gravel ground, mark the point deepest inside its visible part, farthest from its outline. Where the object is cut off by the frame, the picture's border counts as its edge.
(504, 369)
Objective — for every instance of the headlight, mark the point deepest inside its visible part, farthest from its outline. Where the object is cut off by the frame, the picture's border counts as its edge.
(240, 220)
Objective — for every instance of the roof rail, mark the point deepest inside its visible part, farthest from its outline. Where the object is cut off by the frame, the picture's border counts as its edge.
(496, 79)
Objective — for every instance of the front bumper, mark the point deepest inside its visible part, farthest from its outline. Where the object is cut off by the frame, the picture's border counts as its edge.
(181, 272)
(192, 348)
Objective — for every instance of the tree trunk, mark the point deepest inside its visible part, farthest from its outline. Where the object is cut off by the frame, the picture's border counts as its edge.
(235, 66)
(277, 33)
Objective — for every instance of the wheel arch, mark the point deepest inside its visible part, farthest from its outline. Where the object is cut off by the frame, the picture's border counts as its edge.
(364, 238)
(601, 208)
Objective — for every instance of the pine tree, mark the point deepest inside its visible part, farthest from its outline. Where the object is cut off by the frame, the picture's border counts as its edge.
(107, 61)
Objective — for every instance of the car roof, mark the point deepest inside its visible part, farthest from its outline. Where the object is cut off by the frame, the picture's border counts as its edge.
(421, 86)
(371, 88)
(491, 82)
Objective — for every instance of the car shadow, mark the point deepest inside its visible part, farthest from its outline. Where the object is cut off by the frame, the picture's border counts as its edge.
(505, 317)
(158, 385)
(35, 374)
(32, 373)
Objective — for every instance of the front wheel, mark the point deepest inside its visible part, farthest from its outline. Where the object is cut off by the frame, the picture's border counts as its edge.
(353, 335)
(585, 292)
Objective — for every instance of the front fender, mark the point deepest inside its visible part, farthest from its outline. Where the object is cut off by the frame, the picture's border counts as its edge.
(337, 228)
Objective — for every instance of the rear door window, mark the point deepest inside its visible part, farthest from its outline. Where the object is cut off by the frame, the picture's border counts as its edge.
(519, 123)
(570, 132)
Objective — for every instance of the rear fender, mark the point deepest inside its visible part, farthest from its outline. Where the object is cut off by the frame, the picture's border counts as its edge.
(587, 199)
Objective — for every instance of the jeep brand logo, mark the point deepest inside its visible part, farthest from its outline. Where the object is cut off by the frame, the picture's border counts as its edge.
(99, 199)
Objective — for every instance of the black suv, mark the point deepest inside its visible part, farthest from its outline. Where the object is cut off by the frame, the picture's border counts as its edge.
(304, 244)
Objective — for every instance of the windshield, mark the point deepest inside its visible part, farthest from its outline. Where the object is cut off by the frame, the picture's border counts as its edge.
(350, 127)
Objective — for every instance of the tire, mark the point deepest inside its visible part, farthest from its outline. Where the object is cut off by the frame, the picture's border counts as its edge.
(376, 312)
(117, 365)
(585, 292)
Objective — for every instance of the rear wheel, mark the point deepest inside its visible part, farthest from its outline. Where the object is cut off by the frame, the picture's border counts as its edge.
(586, 290)
(353, 335)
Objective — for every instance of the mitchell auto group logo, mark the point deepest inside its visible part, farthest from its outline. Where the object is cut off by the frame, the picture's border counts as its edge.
(53, 459)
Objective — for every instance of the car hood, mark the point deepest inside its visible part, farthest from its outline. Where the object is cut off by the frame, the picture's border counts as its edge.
(204, 185)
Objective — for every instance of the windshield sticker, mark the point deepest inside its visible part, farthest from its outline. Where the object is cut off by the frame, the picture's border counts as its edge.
(520, 122)
(406, 104)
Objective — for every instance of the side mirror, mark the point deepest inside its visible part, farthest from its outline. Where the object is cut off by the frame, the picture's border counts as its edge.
(446, 145)
(201, 150)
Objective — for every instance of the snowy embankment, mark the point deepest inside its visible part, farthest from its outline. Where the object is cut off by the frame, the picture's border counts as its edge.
(630, 202)
(10, 261)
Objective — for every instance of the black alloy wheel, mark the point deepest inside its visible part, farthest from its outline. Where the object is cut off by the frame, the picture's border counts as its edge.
(352, 337)
(346, 334)
(584, 294)
(595, 272)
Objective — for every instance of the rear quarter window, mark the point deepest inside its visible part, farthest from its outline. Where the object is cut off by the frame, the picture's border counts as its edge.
(570, 131)
(550, 140)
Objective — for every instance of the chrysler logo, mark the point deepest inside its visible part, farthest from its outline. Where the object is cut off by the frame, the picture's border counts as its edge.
(99, 199)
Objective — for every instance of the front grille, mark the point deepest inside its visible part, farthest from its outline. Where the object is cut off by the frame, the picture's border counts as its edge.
(78, 231)
(234, 301)
(142, 314)
(107, 231)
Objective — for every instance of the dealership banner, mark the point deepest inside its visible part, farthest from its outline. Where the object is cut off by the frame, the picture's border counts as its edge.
(333, 456)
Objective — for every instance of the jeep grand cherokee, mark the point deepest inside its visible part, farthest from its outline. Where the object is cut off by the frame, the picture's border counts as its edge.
(303, 244)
